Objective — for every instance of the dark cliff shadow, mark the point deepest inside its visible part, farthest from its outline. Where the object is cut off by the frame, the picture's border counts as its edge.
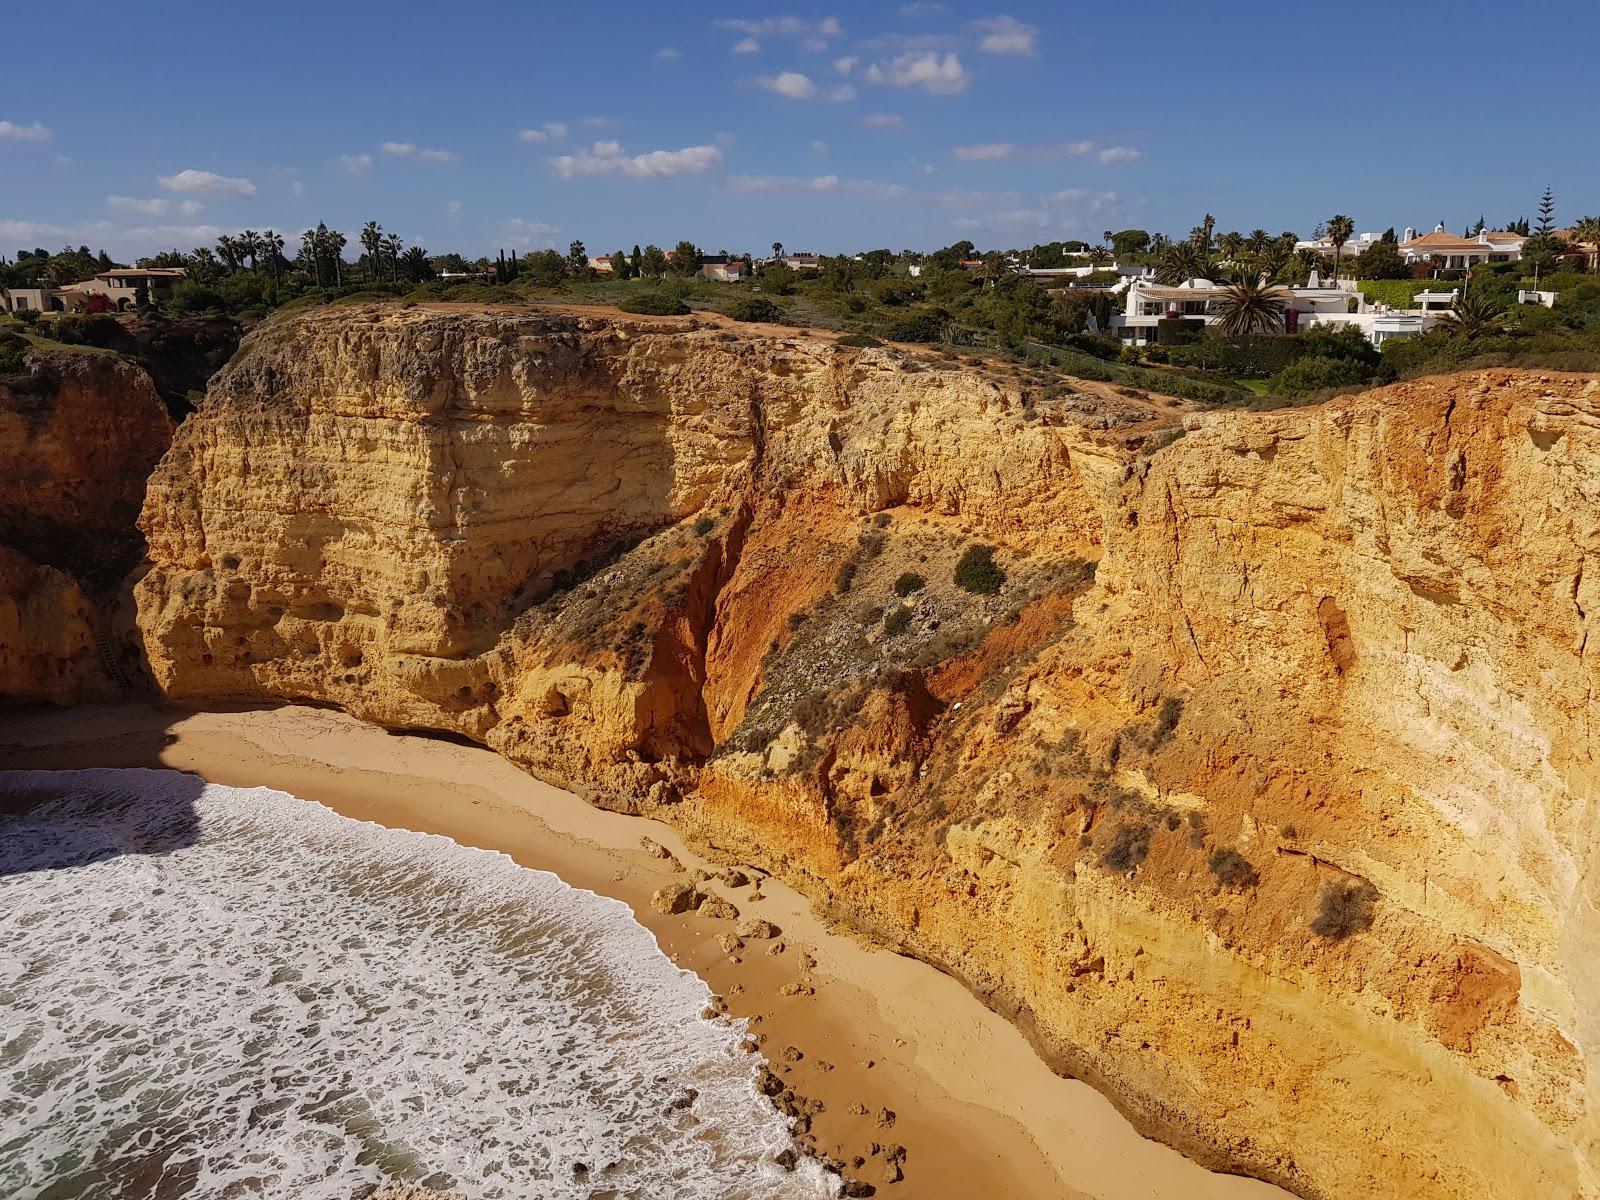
(50, 820)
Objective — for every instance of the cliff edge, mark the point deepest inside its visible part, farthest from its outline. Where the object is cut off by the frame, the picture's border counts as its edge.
(1249, 767)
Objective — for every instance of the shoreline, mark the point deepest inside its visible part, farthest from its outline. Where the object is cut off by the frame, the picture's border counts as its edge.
(897, 1053)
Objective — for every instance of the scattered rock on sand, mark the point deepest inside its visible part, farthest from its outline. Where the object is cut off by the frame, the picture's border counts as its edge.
(731, 943)
(858, 1187)
(675, 898)
(776, 948)
(793, 1054)
(734, 878)
(654, 848)
(757, 929)
(886, 1118)
(807, 963)
(718, 909)
(859, 1109)
(796, 989)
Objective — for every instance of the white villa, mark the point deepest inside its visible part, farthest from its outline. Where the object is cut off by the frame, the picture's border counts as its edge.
(1199, 300)
(116, 290)
(1448, 252)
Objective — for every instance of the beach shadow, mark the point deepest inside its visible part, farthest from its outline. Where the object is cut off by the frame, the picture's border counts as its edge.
(52, 820)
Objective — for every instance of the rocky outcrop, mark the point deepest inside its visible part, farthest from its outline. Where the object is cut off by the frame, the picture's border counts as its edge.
(1260, 792)
(79, 433)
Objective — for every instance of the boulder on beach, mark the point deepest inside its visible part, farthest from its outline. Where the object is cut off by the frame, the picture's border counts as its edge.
(759, 930)
(673, 898)
(718, 909)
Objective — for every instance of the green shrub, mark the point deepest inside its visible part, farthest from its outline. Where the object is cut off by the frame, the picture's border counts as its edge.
(1315, 374)
(844, 579)
(908, 583)
(862, 340)
(1345, 907)
(754, 308)
(1400, 293)
(12, 347)
(703, 526)
(654, 304)
(923, 325)
(1232, 869)
(977, 572)
(898, 621)
(27, 316)
(1128, 848)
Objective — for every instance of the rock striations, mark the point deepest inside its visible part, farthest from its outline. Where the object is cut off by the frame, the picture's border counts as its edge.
(1261, 793)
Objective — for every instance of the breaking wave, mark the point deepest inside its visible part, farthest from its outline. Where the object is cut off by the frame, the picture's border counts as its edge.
(216, 992)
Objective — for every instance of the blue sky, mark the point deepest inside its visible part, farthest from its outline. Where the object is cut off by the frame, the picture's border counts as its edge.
(480, 125)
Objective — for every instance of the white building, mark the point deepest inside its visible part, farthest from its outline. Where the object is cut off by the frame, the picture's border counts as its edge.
(1149, 303)
(1356, 244)
(1445, 251)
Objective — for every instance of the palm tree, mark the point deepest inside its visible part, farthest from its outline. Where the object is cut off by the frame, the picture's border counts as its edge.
(1231, 244)
(1587, 230)
(1182, 261)
(416, 265)
(372, 242)
(271, 244)
(1200, 235)
(391, 248)
(1474, 315)
(1258, 241)
(250, 246)
(230, 252)
(1340, 229)
(1250, 304)
(777, 250)
(994, 268)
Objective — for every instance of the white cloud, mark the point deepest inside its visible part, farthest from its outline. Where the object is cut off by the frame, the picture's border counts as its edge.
(1019, 220)
(987, 152)
(204, 183)
(883, 120)
(11, 132)
(791, 84)
(814, 44)
(156, 207)
(818, 146)
(921, 8)
(846, 64)
(795, 86)
(668, 54)
(453, 207)
(529, 234)
(1006, 35)
(545, 132)
(828, 27)
(600, 123)
(818, 184)
(139, 208)
(746, 46)
(941, 75)
(607, 158)
(296, 188)
(355, 164)
(412, 150)
(1120, 154)
(1095, 200)
(1010, 152)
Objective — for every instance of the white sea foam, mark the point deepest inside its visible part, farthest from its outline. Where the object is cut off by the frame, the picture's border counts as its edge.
(213, 992)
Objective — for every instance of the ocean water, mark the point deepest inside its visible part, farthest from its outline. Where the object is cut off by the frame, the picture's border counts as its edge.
(212, 992)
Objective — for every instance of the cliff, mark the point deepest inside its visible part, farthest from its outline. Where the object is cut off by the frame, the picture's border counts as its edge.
(80, 430)
(1260, 793)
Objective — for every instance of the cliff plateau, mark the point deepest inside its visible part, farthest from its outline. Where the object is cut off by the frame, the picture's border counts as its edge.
(1261, 792)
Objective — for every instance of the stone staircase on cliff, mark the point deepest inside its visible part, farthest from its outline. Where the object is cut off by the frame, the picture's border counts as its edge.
(108, 652)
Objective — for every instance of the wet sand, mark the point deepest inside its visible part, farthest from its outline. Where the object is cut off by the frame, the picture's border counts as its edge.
(897, 1053)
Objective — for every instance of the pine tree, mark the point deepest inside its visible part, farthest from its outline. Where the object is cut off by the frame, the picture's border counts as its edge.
(1547, 209)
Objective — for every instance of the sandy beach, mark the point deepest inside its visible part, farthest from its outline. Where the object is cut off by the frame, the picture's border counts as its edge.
(897, 1053)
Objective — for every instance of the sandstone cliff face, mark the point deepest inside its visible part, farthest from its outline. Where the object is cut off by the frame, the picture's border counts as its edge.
(1278, 824)
(79, 433)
